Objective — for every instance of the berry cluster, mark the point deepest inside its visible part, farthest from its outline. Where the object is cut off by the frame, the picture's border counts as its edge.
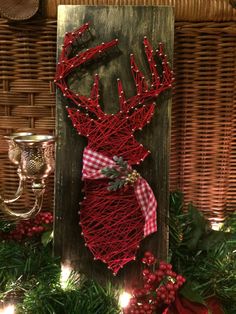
(29, 228)
(160, 284)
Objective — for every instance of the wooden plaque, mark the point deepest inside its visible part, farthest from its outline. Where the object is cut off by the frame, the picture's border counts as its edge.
(129, 24)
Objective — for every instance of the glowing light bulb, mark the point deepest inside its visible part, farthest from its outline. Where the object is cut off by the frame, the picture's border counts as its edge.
(124, 299)
(65, 274)
(216, 225)
(9, 309)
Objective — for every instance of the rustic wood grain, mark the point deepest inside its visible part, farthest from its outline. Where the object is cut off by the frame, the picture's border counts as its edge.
(129, 24)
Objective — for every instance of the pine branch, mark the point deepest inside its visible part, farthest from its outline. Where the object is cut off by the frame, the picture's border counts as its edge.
(205, 257)
(117, 175)
(110, 173)
(31, 276)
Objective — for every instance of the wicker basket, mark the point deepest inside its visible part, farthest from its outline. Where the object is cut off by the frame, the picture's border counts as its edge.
(27, 100)
(185, 10)
(203, 157)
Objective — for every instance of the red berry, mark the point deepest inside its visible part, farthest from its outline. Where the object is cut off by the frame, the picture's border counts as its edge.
(151, 260)
(146, 307)
(167, 301)
(159, 273)
(169, 286)
(172, 297)
(148, 287)
(179, 278)
(148, 254)
(169, 266)
(168, 272)
(162, 267)
(146, 272)
(162, 289)
(139, 293)
(162, 296)
(133, 301)
(151, 278)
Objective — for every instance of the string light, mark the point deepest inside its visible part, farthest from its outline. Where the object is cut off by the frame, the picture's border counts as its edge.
(65, 274)
(216, 225)
(9, 309)
(124, 299)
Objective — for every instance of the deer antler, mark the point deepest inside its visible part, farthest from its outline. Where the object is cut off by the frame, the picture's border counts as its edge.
(158, 84)
(67, 64)
(137, 110)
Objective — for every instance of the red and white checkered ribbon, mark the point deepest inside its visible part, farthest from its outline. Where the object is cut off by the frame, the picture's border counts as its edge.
(94, 162)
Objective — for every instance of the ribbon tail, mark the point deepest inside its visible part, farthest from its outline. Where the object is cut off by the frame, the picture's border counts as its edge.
(148, 204)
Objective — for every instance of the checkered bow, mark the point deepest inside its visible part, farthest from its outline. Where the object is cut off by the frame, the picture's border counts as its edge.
(94, 162)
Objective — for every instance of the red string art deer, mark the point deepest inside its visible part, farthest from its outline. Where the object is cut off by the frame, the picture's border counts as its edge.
(119, 207)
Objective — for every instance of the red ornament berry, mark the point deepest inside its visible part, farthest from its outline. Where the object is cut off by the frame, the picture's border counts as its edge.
(169, 266)
(151, 278)
(148, 254)
(162, 267)
(148, 287)
(146, 272)
(159, 273)
(151, 260)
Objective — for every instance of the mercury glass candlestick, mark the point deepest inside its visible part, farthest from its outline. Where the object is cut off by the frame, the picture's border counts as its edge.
(14, 154)
(33, 153)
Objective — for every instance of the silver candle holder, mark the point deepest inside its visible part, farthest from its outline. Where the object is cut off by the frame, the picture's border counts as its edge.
(33, 154)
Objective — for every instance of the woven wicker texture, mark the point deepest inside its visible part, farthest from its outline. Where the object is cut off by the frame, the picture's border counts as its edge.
(185, 10)
(27, 65)
(203, 154)
(203, 160)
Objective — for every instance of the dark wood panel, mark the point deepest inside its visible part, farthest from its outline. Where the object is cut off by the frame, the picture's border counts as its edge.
(129, 24)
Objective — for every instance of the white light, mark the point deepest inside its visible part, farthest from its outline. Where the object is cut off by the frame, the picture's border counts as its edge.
(124, 299)
(65, 274)
(216, 225)
(10, 309)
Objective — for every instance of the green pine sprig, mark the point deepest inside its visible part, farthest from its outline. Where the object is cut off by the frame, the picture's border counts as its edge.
(116, 174)
(207, 258)
(30, 278)
(7, 226)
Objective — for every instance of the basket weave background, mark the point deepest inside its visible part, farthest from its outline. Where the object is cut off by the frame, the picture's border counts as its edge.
(27, 100)
(203, 153)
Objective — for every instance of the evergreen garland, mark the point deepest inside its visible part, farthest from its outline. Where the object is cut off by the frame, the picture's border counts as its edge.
(30, 276)
(207, 258)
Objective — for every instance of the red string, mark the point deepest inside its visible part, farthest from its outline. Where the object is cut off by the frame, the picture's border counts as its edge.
(112, 235)
(112, 222)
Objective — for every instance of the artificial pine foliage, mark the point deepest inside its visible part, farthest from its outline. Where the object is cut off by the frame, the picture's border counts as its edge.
(207, 258)
(24, 266)
(30, 278)
(87, 297)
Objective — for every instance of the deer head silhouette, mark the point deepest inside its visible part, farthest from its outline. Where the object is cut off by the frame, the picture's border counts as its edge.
(113, 134)
(114, 223)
